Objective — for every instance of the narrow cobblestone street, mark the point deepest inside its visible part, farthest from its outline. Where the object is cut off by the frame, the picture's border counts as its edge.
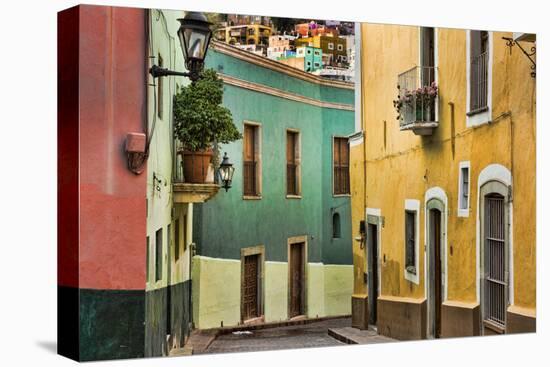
(311, 335)
(289, 337)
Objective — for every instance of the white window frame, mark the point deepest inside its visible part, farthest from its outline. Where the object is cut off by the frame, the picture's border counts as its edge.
(331, 46)
(340, 47)
(413, 205)
(499, 173)
(481, 117)
(464, 212)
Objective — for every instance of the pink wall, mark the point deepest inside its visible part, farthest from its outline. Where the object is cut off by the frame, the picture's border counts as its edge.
(112, 102)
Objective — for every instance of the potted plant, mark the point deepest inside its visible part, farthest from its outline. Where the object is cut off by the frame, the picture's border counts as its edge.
(420, 100)
(200, 122)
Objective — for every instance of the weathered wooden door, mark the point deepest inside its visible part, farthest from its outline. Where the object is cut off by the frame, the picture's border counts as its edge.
(436, 248)
(296, 279)
(250, 287)
(372, 256)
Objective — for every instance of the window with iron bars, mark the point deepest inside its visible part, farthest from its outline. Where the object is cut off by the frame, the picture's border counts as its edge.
(479, 57)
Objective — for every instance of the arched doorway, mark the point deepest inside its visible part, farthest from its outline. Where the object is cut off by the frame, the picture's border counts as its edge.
(494, 211)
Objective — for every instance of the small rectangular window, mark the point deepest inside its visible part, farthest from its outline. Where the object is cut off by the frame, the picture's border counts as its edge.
(160, 100)
(410, 241)
(184, 239)
(465, 181)
(292, 163)
(158, 255)
(169, 241)
(177, 239)
(147, 259)
(341, 166)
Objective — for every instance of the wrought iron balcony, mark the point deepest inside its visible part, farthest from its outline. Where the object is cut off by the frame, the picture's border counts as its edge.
(417, 100)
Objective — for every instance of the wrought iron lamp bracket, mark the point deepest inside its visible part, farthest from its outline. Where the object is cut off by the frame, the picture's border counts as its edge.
(156, 72)
(530, 55)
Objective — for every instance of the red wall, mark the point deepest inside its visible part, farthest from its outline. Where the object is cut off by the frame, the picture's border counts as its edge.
(67, 147)
(112, 102)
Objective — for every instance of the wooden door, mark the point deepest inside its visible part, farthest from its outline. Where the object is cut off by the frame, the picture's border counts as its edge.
(436, 266)
(296, 279)
(372, 255)
(250, 287)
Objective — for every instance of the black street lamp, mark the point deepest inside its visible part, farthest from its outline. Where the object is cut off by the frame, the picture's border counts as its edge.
(226, 172)
(194, 35)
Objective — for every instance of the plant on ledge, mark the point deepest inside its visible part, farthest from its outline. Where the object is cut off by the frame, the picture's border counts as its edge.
(200, 123)
(419, 101)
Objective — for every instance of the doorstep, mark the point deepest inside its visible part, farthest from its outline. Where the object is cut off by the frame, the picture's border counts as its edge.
(300, 320)
(197, 343)
(351, 335)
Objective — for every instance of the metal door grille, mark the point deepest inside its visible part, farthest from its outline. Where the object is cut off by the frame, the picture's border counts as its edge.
(495, 260)
(250, 297)
(479, 81)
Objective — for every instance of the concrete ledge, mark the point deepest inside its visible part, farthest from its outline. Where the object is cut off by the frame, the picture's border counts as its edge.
(402, 318)
(359, 311)
(459, 319)
(520, 320)
(350, 335)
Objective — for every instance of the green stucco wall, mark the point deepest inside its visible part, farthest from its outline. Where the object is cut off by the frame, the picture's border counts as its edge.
(229, 222)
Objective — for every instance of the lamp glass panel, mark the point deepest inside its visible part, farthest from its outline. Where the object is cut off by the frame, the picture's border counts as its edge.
(195, 42)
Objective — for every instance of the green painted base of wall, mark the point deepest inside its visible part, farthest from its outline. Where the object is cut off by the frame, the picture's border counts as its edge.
(217, 291)
(111, 324)
(155, 322)
(156, 318)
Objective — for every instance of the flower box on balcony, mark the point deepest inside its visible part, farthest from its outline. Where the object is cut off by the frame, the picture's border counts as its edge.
(417, 100)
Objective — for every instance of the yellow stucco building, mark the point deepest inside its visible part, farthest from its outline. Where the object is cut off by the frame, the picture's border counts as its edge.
(443, 197)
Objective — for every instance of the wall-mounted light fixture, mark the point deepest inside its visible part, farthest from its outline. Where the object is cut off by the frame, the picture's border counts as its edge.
(194, 35)
(226, 172)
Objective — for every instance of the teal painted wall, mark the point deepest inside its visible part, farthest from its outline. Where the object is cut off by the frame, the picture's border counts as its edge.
(227, 223)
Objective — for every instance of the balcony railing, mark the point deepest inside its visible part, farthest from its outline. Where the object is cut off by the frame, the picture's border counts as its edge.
(417, 100)
(478, 83)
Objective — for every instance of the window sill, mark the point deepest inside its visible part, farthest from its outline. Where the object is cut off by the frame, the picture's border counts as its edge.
(252, 197)
(294, 196)
(477, 111)
(463, 213)
(341, 195)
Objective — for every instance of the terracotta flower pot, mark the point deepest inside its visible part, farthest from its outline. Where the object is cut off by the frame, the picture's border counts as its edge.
(196, 164)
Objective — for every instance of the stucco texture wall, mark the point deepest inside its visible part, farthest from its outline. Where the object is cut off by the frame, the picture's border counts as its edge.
(216, 291)
(401, 165)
